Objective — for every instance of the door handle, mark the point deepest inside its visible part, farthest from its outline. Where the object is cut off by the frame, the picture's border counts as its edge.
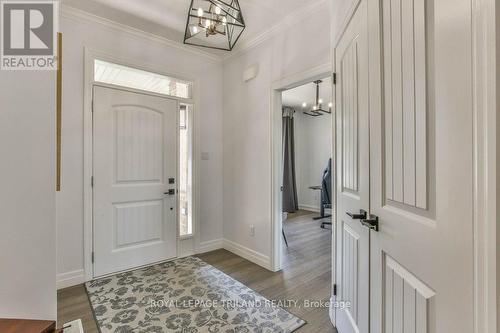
(371, 223)
(361, 216)
(170, 192)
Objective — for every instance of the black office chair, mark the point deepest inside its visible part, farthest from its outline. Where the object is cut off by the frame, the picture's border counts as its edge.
(326, 201)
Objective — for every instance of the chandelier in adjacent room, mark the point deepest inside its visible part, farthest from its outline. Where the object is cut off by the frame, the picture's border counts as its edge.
(215, 24)
(317, 109)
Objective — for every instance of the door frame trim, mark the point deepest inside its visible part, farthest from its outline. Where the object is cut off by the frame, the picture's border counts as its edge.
(90, 55)
(277, 87)
(485, 93)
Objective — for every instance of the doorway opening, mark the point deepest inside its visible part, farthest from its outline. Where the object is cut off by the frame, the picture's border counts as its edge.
(306, 169)
(299, 95)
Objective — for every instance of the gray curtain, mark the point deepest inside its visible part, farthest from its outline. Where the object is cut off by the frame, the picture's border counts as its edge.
(290, 202)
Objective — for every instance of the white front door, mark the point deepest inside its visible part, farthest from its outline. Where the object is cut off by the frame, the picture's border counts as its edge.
(135, 166)
(422, 168)
(353, 183)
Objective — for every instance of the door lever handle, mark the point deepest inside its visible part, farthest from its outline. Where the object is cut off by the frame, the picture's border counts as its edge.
(371, 223)
(361, 216)
(170, 192)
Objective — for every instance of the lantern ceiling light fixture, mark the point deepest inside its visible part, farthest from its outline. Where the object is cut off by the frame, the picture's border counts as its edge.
(215, 24)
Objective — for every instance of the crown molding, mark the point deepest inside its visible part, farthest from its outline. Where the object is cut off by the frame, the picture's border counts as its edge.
(73, 13)
(289, 20)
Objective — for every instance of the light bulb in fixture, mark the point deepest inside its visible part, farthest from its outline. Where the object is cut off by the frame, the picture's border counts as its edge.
(315, 107)
(195, 30)
(320, 101)
(330, 105)
(304, 104)
(219, 24)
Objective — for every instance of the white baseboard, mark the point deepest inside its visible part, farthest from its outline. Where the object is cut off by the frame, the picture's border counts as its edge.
(185, 254)
(249, 254)
(240, 250)
(209, 246)
(309, 208)
(331, 311)
(185, 247)
(70, 279)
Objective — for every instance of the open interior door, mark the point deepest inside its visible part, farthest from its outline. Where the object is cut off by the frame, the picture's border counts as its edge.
(421, 166)
(353, 188)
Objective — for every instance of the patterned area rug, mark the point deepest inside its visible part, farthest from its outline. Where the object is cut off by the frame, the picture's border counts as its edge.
(186, 296)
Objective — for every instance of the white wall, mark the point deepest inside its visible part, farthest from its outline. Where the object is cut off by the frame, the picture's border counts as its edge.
(27, 199)
(80, 32)
(313, 149)
(247, 141)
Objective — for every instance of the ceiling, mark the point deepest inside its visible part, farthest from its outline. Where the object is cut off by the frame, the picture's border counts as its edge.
(167, 18)
(307, 93)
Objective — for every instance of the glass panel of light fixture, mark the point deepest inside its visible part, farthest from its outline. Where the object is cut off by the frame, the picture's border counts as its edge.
(214, 24)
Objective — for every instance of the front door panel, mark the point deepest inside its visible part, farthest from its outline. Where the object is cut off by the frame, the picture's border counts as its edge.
(135, 153)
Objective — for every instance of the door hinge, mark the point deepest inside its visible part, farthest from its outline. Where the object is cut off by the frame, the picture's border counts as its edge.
(92, 181)
(92, 257)
(334, 78)
(335, 290)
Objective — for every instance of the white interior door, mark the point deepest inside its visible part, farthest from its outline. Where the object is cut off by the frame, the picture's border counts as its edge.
(135, 166)
(422, 168)
(352, 121)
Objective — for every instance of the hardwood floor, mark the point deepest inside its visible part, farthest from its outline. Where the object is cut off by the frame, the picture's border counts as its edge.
(306, 275)
(72, 304)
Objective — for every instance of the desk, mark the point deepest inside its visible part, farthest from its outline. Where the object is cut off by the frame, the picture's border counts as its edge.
(27, 326)
(322, 207)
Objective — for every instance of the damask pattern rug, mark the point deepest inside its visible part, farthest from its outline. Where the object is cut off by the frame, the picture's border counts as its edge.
(185, 296)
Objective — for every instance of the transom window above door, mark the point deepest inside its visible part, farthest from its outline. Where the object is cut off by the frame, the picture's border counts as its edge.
(129, 77)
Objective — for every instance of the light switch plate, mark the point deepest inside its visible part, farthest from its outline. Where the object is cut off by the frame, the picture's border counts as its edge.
(205, 156)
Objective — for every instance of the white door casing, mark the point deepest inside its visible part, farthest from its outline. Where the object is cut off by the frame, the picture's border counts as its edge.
(135, 155)
(352, 117)
(421, 184)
